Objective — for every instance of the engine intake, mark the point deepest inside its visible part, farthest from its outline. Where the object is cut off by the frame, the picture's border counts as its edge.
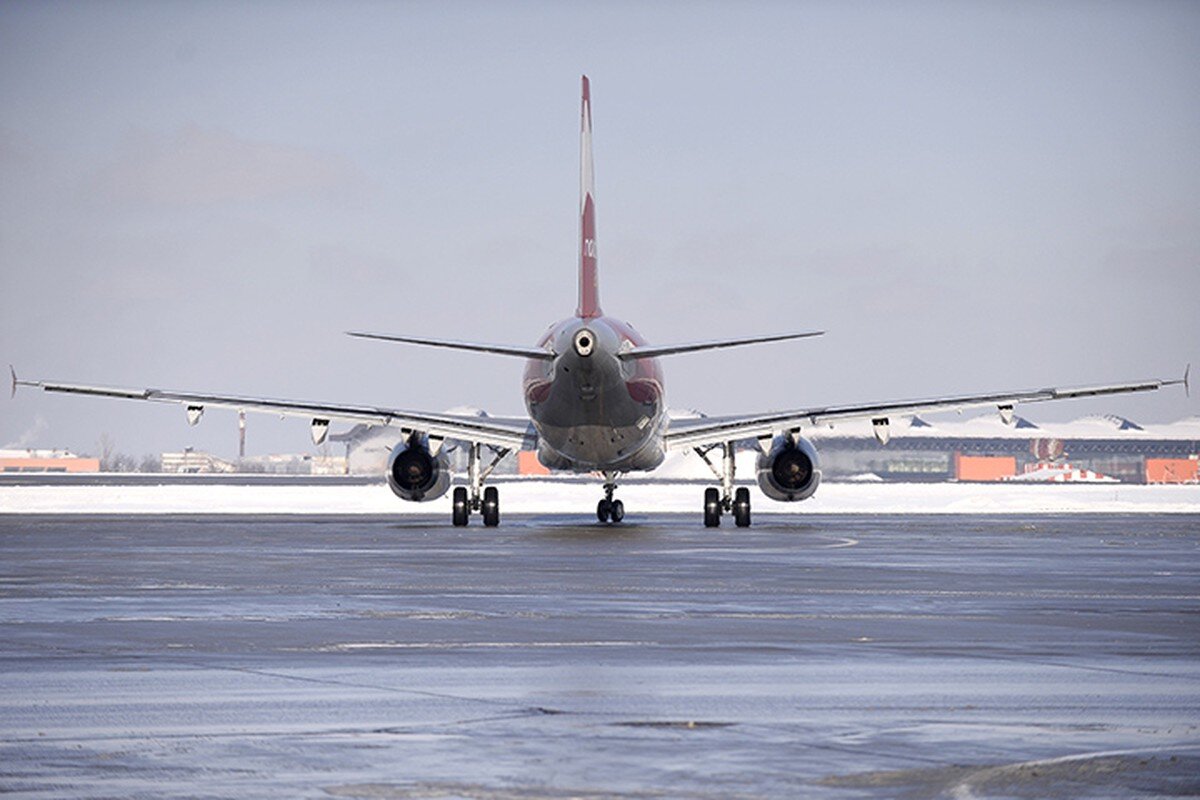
(414, 473)
(790, 471)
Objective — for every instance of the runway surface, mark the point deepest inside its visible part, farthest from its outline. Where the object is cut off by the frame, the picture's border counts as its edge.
(828, 657)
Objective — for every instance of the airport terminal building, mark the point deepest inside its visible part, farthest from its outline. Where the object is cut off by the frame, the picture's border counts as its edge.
(1099, 448)
(978, 449)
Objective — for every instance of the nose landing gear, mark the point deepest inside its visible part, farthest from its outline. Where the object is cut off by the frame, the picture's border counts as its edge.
(608, 509)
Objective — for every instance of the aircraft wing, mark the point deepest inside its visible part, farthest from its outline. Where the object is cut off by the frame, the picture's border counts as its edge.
(704, 431)
(511, 433)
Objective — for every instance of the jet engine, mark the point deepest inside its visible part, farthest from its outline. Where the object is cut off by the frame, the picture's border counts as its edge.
(791, 469)
(414, 473)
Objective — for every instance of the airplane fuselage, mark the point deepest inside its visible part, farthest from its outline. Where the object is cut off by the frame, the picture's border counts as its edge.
(593, 410)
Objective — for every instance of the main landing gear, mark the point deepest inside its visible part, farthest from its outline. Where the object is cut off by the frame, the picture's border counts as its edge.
(608, 509)
(725, 499)
(484, 500)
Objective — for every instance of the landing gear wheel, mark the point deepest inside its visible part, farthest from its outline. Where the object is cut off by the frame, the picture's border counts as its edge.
(604, 510)
(741, 507)
(618, 511)
(462, 509)
(712, 508)
(491, 507)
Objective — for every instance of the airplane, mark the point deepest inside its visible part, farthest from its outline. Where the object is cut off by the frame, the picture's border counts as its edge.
(594, 392)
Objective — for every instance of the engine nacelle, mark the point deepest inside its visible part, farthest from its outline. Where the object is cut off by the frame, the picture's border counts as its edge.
(414, 473)
(790, 471)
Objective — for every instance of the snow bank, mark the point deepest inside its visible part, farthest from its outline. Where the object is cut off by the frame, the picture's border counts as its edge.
(536, 497)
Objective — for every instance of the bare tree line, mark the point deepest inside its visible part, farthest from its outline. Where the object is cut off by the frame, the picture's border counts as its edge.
(111, 460)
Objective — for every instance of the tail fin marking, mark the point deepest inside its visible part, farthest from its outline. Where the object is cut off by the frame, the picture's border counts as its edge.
(589, 281)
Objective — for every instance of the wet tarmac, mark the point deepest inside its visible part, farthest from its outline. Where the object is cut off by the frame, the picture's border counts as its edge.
(831, 657)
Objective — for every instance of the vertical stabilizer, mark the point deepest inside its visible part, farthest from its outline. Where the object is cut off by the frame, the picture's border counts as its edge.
(589, 281)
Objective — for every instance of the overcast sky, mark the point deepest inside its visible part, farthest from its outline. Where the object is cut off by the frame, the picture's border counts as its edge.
(967, 196)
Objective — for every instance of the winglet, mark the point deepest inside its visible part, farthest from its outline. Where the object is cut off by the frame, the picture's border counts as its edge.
(18, 382)
(1185, 380)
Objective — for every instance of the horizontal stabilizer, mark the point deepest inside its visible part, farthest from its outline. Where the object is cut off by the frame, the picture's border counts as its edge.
(651, 351)
(499, 349)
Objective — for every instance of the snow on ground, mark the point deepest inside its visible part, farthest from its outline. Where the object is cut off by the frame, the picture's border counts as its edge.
(539, 497)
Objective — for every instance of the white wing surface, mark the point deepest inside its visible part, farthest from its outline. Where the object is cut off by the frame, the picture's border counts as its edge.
(501, 432)
(703, 431)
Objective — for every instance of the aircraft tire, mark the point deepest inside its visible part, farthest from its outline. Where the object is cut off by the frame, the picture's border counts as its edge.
(712, 508)
(461, 510)
(604, 510)
(491, 507)
(741, 507)
(618, 511)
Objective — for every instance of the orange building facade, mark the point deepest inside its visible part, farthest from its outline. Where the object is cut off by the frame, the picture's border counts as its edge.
(984, 468)
(1173, 470)
(528, 464)
(62, 464)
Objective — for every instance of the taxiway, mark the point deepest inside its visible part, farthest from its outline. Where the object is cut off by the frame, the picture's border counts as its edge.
(380, 657)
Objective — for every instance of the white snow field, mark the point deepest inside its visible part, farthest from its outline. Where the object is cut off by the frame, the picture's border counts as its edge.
(526, 496)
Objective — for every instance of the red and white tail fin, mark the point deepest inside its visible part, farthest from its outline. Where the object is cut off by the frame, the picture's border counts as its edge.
(589, 281)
